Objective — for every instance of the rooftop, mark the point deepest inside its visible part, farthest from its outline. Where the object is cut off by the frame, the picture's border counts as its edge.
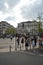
(29, 21)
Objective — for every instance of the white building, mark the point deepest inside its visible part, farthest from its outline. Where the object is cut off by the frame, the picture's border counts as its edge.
(28, 26)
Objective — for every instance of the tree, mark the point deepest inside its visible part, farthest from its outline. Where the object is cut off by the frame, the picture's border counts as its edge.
(39, 27)
(40, 23)
(11, 31)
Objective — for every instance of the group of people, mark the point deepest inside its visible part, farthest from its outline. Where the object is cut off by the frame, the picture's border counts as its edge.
(26, 42)
(30, 41)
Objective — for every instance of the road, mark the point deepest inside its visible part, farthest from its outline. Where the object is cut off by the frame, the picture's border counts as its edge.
(20, 58)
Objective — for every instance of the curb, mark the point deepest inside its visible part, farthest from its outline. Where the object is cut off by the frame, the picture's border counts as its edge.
(31, 53)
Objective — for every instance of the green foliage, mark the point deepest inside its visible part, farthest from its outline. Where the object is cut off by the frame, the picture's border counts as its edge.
(11, 31)
(39, 27)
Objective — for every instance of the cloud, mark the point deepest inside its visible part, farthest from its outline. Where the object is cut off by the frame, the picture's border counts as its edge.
(2, 7)
(12, 3)
(6, 5)
(32, 8)
(3, 15)
(15, 11)
(10, 18)
(5, 11)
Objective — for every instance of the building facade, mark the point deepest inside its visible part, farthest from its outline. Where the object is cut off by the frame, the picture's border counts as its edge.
(3, 26)
(28, 27)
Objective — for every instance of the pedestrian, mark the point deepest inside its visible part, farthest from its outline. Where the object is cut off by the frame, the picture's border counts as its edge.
(20, 47)
(33, 43)
(22, 41)
(42, 43)
(10, 48)
(11, 37)
(26, 44)
(37, 45)
(30, 42)
(18, 41)
(35, 40)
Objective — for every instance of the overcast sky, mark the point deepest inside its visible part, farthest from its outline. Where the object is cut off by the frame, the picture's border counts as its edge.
(15, 11)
